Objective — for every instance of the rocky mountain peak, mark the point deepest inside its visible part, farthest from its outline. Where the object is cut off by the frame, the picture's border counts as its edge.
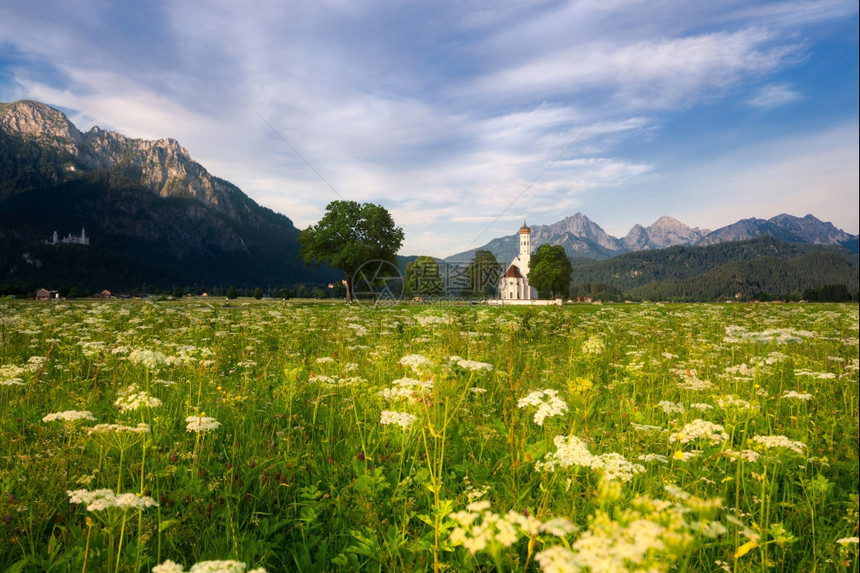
(581, 237)
(163, 165)
(578, 226)
(666, 221)
(664, 232)
(31, 119)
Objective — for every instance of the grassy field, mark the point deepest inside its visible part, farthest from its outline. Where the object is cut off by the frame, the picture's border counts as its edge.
(314, 437)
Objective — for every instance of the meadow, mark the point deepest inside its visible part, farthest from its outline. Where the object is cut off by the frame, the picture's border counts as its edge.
(204, 435)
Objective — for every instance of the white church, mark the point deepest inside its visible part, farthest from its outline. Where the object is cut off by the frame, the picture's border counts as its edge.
(514, 284)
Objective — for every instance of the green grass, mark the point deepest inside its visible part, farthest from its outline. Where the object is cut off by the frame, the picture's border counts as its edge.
(301, 475)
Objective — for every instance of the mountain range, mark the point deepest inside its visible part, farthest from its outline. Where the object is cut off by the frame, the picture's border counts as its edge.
(154, 216)
(584, 239)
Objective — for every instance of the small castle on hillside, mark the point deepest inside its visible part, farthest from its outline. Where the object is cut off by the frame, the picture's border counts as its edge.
(70, 239)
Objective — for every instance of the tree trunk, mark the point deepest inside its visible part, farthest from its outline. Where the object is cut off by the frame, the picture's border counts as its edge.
(348, 287)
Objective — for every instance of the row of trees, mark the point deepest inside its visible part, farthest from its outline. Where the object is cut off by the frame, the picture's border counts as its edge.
(351, 234)
(428, 277)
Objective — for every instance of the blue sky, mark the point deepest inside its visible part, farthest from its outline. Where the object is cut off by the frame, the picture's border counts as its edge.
(463, 118)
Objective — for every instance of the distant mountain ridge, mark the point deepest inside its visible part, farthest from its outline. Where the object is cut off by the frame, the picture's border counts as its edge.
(163, 166)
(153, 214)
(156, 217)
(584, 239)
(723, 270)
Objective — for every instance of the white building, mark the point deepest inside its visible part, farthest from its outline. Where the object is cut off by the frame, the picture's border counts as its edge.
(70, 239)
(514, 284)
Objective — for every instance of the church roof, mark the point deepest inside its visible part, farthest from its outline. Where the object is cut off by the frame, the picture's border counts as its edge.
(525, 229)
(513, 272)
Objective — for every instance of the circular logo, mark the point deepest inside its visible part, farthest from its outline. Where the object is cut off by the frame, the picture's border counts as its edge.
(377, 283)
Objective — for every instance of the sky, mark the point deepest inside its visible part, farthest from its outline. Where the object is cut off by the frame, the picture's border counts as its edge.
(463, 118)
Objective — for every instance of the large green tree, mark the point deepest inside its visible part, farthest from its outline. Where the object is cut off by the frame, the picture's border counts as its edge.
(549, 271)
(349, 235)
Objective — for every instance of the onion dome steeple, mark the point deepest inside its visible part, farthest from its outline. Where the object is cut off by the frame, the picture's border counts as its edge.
(525, 228)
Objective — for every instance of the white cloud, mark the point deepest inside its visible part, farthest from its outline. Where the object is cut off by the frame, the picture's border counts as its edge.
(773, 96)
(445, 112)
(646, 74)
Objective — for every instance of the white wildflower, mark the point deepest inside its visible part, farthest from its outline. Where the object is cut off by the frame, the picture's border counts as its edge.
(416, 362)
(670, 407)
(168, 567)
(770, 442)
(726, 402)
(594, 345)
(35, 363)
(358, 329)
(647, 428)
(700, 429)
(686, 456)
(548, 404)
(11, 372)
(559, 527)
(119, 429)
(131, 399)
(817, 375)
(219, 566)
(396, 394)
(751, 456)
(428, 319)
(570, 451)
(476, 493)
(557, 559)
(775, 357)
(739, 334)
(527, 524)
(740, 369)
(69, 416)
(692, 382)
(101, 499)
(480, 528)
(201, 424)
(701, 407)
(474, 365)
(408, 389)
(402, 419)
(616, 467)
(152, 359)
(653, 458)
(222, 566)
(797, 396)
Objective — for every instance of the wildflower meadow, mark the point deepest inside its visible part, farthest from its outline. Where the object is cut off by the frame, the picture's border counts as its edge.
(204, 435)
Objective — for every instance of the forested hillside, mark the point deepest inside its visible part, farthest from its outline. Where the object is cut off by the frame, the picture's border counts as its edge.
(764, 265)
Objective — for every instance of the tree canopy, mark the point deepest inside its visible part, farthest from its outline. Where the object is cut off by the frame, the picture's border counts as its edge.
(484, 272)
(423, 277)
(349, 235)
(549, 271)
